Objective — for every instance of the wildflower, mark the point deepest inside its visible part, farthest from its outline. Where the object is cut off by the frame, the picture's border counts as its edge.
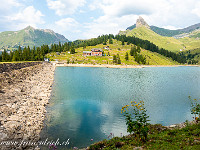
(91, 139)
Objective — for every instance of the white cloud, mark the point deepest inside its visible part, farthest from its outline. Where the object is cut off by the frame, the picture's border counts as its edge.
(196, 10)
(108, 24)
(67, 23)
(66, 26)
(65, 7)
(25, 17)
(118, 14)
(7, 6)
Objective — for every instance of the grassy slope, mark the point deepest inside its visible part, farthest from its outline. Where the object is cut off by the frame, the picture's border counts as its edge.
(192, 41)
(159, 138)
(152, 58)
(26, 37)
(11, 38)
(168, 43)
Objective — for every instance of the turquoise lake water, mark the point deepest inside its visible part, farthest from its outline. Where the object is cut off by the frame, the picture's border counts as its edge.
(86, 102)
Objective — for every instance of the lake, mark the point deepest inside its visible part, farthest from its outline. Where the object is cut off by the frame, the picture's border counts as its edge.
(85, 104)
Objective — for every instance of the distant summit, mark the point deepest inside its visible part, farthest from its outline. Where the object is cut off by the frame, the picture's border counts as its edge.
(161, 31)
(141, 22)
(173, 40)
(30, 36)
(29, 28)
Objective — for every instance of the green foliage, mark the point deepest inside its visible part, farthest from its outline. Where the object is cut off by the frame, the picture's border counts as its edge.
(126, 56)
(193, 56)
(122, 42)
(72, 49)
(140, 59)
(5, 56)
(68, 61)
(136, 119)
(159, 137)
(135, 52)
(195, 108)
(110, 41)
(104, 43)
(116, 59)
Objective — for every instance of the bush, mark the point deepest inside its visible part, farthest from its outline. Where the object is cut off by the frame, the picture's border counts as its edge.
(136, 119)
(195, 108)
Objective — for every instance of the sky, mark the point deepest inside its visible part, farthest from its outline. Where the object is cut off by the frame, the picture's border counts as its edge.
(85, 19)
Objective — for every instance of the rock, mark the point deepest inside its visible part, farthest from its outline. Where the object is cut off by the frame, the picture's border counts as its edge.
(141, 22)
(3, 136)
(138, 148)
(2, 91)
(172, 126)
(13, 118)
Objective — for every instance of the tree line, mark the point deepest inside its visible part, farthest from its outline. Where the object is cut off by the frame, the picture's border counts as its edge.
(35, 53)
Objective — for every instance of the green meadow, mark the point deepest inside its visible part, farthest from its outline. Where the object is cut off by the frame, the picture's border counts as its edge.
(115, 48)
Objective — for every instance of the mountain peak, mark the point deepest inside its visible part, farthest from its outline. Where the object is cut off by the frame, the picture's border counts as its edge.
(29, 28)
(141, 22)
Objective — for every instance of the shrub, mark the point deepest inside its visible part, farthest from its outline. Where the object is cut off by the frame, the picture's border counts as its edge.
(195, 108)
(136, 119)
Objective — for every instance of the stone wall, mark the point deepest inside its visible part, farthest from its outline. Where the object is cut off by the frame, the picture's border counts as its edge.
(7, 67)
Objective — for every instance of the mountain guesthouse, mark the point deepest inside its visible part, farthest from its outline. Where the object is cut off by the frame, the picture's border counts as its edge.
(93, 52)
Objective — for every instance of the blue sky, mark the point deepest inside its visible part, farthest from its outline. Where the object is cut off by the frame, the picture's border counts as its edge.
(84, 19)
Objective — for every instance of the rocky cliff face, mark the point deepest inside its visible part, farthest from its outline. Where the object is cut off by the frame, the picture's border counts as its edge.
(141, 22)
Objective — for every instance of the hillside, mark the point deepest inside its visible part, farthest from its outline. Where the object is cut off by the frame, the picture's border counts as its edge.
(168, 43)
(185, 40)
(29, 36)
(192, 55)
(115, 48)
(170, 33)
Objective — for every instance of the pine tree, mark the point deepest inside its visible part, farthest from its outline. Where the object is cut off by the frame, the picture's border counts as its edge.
(119, 61)
(126, 56)
(104, 42)
(110, 41)
(5, 56)
(114, 59)
(72, 49)
(123, 42)
(20, 53)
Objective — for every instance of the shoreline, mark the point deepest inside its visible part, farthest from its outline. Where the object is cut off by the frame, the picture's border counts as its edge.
(24, 95)
(59, 64)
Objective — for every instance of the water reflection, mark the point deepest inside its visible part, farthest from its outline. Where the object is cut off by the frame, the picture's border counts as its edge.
(86, 102)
